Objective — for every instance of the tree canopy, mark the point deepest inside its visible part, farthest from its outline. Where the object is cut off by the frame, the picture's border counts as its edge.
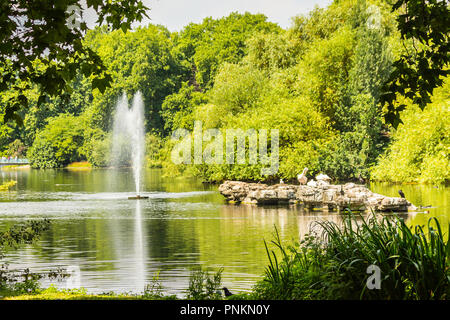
(425, 28)
(42, 44)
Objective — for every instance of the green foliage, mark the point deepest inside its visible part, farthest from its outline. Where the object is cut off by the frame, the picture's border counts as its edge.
(96, 147)
(53, 293)
(16, 149)
(425, 26)
(6, 185)
(320, 83)
(140, 60)
(271, 51)
(42, 45)
(153, 150)
(414, 263)
(237, 88)
(14, 236)
(420, 147)
(215, 41)
(176, 110)
(58, 143)
(324, 70)
(154, 288)
(203, 286)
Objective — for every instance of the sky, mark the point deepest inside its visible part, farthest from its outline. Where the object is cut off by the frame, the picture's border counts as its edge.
(175, 14)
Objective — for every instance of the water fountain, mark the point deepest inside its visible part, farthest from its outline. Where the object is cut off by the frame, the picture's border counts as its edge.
(128, 143)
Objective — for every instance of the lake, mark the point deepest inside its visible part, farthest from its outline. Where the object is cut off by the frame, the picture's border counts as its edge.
(120, 245)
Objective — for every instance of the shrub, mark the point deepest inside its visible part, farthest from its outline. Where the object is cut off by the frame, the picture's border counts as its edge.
(203, 286)
(420, 148)
(6, 185)
(58, 143)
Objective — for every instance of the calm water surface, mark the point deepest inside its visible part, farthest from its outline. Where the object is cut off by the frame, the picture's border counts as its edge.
(121, 244)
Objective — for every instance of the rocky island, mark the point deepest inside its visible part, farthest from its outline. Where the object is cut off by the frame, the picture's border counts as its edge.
(319, 195)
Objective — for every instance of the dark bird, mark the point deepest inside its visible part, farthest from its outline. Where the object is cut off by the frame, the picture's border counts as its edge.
(227, 292)
(361, 180)
(400, 192)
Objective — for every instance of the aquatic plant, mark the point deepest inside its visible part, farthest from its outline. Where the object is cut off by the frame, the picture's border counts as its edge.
(6, 185)
(413, 262)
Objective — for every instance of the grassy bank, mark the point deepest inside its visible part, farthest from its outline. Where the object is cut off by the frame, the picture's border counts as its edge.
(82, 165)
(53, 293)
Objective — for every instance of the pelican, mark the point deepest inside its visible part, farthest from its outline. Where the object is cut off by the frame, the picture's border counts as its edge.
(302, 177)
(323, 177)
(312, 183)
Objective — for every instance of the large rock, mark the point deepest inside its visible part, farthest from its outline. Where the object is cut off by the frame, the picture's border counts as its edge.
(350, 195)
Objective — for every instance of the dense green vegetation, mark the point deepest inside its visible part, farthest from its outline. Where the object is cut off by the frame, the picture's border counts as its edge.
(420, 148)
(418, 72)
(53, 293)
(414, 264)
(319, 82)
(42, 45)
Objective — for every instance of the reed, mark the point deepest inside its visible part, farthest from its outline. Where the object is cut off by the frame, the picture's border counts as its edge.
(332, 264)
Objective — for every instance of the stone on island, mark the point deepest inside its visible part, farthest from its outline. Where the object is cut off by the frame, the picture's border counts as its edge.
(350, 195)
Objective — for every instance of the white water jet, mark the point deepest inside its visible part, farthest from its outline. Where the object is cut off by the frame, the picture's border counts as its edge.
(128, 141)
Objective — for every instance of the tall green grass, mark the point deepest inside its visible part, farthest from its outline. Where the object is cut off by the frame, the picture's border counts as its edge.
(332, 264)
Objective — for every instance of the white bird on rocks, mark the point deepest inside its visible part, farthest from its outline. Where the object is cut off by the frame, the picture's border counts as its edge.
(312, 183)
(323, 177)
(302, 177)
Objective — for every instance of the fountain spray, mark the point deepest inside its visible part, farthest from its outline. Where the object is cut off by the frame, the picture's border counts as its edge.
(128, 143)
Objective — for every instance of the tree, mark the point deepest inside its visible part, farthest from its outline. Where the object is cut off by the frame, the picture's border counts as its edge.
(41, 43)
(139, 60)
(422, 68)
(420, 150)
(59, 143)
(215, 41)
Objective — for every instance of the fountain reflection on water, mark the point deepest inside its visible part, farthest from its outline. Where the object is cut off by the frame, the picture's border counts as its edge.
(139, 250)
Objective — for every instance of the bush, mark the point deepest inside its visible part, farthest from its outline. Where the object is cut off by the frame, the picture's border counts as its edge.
(96, 148)
(6, 185)
(153, 148)
(16, 149)
(203, 286)
(58, 143)
(420, 148)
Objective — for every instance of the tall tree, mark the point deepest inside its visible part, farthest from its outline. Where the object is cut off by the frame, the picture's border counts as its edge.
(423, 67)
(41, 43)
